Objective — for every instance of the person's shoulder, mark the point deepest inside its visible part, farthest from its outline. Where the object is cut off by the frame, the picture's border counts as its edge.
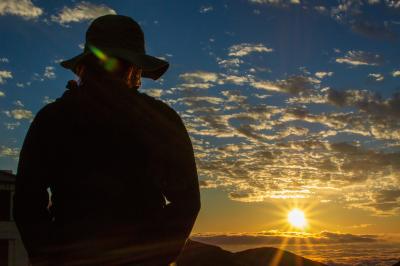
(49, 110)
(161, 106)
(53, 110)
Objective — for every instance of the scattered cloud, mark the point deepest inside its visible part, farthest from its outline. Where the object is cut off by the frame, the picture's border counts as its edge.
(291, 85)
(80, 12)
(243, 49)
(157, 93)
(230, 63)
(19, 114)
(377, 30)
(4, 74)
(22, 8)
(276, 2)
(49, 72)
(360, 58)
(393, 3)
(206, 9)
(197, 85)
(396, 73)
(47, 100)
(322, 74)
(321, 9)
(9, 152)
(4, 60)
(12, 125)
(376, 76)
(199, 76)
(18, 103)
(2, 94)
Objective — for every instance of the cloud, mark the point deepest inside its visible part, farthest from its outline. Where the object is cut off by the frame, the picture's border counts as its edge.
(22, 8)
(80, 12)
(233, 79)
(19, 114)
(12, 125)
(393, 3)
(376, 76)
(4, 74)
(2, 94)
(243, 49)
(4, 60)
(18, 103)
(385, 201)
(321, 9)
(230, 63)
(49, 72)
(265, 136)
(9, 152)
(47, 100)
(373, 29)
(274, 237)
(360, 58)
(276, 2)
(322, 74)
(267, 152)
(199, 76)
(198, 79)
(396, 73)
(206, 9)
(291, 85)
(197, 85)
(154, 92)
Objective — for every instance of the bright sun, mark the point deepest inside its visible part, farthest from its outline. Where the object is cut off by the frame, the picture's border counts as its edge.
(297, 219)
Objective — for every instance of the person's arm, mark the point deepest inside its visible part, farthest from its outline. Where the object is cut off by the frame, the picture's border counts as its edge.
(31, 197)
(181, 189)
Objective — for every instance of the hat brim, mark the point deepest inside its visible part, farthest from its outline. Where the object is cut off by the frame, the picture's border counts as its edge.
(152, 67)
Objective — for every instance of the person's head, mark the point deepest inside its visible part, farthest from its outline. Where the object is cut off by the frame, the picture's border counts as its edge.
(117, 70)
(115, 48)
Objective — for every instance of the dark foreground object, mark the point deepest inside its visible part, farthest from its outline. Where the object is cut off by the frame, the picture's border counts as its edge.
(111, 157)
(200, 254)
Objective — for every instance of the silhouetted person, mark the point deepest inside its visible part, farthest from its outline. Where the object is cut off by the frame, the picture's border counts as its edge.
(119, 163)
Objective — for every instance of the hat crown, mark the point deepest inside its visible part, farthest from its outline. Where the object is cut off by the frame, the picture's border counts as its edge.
(116, 31)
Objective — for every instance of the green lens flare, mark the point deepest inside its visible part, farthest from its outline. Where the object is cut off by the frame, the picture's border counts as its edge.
(110, 63)
(98, 53)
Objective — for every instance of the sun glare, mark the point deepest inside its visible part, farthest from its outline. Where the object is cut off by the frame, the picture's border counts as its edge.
(297, 219)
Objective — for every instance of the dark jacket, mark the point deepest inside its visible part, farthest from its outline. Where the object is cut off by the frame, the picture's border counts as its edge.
(122, 175)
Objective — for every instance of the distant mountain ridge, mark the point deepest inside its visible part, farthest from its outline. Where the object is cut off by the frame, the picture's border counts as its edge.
(201, 254)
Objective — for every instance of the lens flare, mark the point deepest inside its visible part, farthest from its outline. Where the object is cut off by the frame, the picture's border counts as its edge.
(110, 63)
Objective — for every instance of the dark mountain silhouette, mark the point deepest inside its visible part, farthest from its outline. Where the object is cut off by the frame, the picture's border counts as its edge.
(200, 254)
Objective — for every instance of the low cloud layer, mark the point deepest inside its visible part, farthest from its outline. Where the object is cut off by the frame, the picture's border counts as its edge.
(277, 238)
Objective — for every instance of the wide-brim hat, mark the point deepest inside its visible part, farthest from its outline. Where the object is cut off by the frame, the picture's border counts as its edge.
(116, 36)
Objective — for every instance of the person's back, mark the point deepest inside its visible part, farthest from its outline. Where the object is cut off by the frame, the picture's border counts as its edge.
(111, 156)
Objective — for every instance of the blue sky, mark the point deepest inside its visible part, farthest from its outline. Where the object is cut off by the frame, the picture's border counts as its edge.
(287, 101)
